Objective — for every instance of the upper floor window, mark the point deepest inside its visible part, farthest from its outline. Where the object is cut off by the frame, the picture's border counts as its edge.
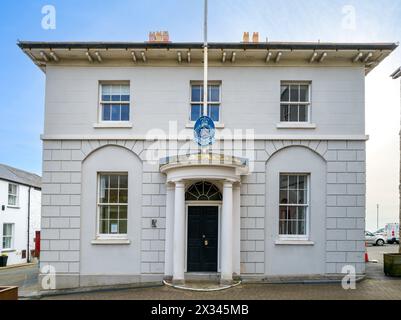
(295, 102)
(8, 233)
(13, 194)
(294, 204)
(214, 101)
(115, 101)
(113, 203)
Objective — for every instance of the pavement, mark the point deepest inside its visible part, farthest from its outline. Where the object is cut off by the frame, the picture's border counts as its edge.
(23, 276)
(376, 286)
(375, 270)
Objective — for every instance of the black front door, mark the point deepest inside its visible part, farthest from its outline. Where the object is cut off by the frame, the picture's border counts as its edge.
(202, 239)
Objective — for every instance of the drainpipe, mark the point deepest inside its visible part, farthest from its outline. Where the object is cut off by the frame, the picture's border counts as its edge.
(29, 222)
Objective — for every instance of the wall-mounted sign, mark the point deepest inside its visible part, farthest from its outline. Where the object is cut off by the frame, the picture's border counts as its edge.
(113, 228)
(204, 131)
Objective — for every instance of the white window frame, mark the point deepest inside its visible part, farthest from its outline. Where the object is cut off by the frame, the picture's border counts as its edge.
(8, 236)
(219, 103)
(110, 236)
(16, 195)
(308, 104)
(306, 236)
(115, 124)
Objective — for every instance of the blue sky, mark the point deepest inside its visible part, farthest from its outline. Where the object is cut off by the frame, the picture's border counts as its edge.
(22, 102)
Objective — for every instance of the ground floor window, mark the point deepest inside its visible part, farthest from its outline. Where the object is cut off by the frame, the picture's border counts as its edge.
(294, 204)
(113, 203)
(8, 231)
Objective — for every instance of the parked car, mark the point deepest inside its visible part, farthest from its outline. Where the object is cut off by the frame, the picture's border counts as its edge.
(381, 232)
(375, 239)
(392, 232)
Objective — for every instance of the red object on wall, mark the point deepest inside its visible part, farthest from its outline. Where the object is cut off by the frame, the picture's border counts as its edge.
(37, 244)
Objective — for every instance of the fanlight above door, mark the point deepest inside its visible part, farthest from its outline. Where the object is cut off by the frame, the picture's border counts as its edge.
(203, 191)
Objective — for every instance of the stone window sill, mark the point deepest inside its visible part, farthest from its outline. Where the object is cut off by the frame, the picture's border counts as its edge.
(112, 125)
(8, 250)
(110, 242)
(295, 125)
(294, 242)
(14, 207)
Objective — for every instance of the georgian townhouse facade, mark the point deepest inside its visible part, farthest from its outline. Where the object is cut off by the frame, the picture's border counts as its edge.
(129, 197)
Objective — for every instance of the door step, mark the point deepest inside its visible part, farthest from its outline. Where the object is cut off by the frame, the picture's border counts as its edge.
(202, 286)
(202, 276)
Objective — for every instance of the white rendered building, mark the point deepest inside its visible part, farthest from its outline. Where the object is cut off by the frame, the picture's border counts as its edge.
(20, 205)
(129, 197)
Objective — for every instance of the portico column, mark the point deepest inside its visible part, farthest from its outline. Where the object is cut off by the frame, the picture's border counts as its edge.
(227, 234)
(168, 253)
(237, 229)
(179, 233)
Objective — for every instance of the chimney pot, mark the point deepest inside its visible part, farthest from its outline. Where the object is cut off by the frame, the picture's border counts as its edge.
(159, 36)
(245, 37)
(255, 37)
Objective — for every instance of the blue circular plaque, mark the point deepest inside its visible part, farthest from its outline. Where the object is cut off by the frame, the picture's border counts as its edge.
(204, 131)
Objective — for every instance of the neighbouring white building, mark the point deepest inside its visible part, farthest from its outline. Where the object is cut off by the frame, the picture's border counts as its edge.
(128, 197)
(20, 206)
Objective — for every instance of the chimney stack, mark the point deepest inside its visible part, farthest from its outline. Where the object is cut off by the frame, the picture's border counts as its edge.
(245, 37)
(255, 37)
(159, 36)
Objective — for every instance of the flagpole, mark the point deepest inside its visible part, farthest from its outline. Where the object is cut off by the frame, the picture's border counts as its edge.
(205, 64)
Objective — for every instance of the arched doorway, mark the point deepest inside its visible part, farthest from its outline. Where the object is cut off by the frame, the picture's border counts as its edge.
(203, 202)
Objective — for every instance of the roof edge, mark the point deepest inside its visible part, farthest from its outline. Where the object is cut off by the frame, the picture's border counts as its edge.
(212, 45)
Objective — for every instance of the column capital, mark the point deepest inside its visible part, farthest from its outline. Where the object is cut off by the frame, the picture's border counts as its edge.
(237, 184)
(179, 183)
(170, 186)
(228, 183)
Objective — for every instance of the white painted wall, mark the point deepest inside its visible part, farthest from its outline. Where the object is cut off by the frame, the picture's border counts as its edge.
(296, 259)
(19, 217)
(111, 262)
(250, 98)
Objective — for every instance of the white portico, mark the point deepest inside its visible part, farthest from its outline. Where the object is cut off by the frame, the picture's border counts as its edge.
(199, 239)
